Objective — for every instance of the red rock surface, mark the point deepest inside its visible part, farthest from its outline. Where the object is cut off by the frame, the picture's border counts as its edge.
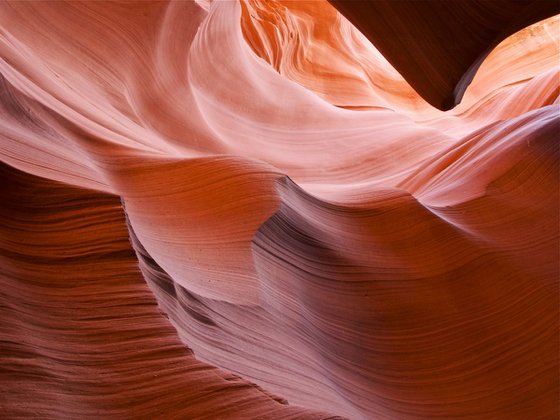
(439, 45)
(242, 210)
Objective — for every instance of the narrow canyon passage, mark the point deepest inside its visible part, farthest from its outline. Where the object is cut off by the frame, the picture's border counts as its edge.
(279, 209)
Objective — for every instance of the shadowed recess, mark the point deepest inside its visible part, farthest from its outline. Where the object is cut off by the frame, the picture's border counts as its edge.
(252, 209)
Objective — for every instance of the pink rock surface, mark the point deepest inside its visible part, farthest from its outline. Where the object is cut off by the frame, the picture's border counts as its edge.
(438, 46)
(311, 230)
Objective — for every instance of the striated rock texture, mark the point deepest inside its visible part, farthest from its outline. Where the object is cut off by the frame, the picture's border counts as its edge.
(439, 45)
(243, 210)
(81, 333)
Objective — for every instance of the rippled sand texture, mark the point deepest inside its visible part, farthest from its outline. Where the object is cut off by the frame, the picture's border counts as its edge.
(242, 210)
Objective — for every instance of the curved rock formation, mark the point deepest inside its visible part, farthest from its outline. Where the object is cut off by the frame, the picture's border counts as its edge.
(319, 240)
(81, 333)
(438, 46)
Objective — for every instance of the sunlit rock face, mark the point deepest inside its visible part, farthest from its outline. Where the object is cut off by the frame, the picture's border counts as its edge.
(245, 210)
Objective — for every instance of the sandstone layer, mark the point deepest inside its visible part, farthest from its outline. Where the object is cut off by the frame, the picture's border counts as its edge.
(249, 210)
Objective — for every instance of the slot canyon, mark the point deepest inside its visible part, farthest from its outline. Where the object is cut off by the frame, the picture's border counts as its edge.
(263, 209)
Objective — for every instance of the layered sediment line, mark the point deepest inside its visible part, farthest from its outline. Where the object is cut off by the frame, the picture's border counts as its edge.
(249, 210)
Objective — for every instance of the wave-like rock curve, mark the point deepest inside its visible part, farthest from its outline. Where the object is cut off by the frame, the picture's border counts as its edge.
(319, 240)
